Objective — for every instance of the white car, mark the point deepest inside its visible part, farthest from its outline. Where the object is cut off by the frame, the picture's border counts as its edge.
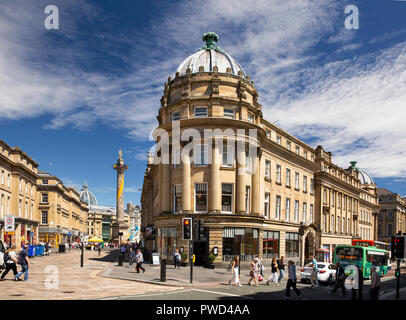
(327, 272)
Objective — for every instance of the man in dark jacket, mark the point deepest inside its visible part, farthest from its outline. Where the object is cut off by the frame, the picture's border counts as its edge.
(23, 261)
(281, 267)
(340, 279)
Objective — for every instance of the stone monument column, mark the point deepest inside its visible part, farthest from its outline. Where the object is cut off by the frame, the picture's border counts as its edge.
(119, 226)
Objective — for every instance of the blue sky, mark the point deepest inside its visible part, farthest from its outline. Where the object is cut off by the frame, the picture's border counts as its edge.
(72, 97)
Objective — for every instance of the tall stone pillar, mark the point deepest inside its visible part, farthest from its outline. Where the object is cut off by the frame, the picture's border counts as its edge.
(256, 186)
(215, 184)
(241, 180)
(166, 188)
(120, 228)
(186, 193)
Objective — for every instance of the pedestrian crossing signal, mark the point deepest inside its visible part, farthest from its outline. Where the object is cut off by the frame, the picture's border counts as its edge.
(187, 228)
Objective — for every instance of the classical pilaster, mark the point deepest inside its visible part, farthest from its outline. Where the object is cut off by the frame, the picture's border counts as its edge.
(256, 186)
(215, 185)
(186, 192)
(241, 181)
(166, 188)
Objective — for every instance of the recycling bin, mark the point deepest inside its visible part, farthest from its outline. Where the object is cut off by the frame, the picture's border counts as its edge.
(39, 250)
(61, 248)
(31, 251)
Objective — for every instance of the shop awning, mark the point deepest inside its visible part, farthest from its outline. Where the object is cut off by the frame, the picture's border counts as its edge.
(94, 239)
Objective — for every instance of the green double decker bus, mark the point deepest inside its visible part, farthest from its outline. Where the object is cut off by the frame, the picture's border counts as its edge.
(363, 257)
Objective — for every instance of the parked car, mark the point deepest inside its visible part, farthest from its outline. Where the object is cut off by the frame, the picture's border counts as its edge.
(327, 272)
(2, 251)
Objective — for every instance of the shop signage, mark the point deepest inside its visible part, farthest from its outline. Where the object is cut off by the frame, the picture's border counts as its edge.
(9, 223)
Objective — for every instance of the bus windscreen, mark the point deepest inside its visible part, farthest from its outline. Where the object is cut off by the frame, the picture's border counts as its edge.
(349, 254)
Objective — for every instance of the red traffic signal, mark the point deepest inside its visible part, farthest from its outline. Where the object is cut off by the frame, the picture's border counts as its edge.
(187, 228)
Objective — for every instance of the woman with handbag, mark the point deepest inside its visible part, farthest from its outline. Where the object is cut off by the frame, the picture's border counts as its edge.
(274, 270)
(235, 270)
(253, 272)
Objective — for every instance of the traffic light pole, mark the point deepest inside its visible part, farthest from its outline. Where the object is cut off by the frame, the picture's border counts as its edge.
(191, 260)
(397, 279)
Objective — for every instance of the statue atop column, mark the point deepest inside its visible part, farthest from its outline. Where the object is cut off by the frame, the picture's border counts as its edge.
(119, 226)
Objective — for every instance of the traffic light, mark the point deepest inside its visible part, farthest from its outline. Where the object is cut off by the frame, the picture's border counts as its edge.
(398, 247)
(187, 228)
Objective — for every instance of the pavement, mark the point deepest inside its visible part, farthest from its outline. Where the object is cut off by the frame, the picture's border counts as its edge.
(60, 277)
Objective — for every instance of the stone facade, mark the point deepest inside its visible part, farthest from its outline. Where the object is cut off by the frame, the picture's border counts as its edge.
(283, 208)
(391, 218)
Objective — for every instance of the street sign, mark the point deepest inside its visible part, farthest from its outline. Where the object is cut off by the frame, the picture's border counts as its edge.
(9, 223)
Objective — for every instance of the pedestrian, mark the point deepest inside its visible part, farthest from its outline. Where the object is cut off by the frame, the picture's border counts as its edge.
(340, 279)
(24, 263)
(122, 250)
(260, 266)
(314, 277)
(139, 259)
(253, 272)
(176, 258)
(292, 279)
(235, 271)
(274, 276)
(10, 259)
(131, 257)
(375, 284)
(281, 267)
(99, 248)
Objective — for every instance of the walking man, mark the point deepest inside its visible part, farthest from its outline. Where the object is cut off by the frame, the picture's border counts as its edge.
(340, 279)
(292, 281)
(375, 284)
(281, 267)
(139, 259)
(176, 258)
(23, 261)
(314, 275)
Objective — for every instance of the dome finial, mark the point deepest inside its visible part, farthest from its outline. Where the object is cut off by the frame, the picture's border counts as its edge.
(354, 164)
(211, 38)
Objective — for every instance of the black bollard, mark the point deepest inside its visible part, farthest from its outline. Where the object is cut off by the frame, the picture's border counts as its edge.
(361, 283)
(81, 256)
(163, 270)
(120, 260)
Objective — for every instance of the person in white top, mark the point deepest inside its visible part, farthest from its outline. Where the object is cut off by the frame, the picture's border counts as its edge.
(235, 270)
(10, 259)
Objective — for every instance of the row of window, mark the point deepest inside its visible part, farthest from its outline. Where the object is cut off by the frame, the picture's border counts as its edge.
(201, 202)
(288, 177)
(202, 112)
(389, 230)
(288, 145)
(338, 224)
(342, 200)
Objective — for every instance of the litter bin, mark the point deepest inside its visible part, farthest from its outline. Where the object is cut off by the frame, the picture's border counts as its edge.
(31, 251)
(61, 248)
(39, 250)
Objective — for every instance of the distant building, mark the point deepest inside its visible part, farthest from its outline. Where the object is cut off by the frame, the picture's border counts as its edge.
(391, 218)
(101, 218)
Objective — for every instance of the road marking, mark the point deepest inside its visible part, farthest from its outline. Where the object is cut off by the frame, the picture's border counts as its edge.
(390, 293)
(223, 293)
(93, 274)
(147, 295)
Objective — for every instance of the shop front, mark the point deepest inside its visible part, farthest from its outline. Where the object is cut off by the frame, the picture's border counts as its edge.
(167, 242)
(243, 242)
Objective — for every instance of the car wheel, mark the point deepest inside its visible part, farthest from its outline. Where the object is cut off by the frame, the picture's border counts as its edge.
(303, 280)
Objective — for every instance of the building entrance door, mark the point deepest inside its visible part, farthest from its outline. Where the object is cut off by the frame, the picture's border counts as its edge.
(309, 248)
(200, 252)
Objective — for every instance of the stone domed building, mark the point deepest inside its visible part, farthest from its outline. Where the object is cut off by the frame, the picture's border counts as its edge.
(87, 196)
(251, 188)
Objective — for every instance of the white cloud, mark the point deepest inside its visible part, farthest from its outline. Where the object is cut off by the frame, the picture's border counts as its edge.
(353, 107)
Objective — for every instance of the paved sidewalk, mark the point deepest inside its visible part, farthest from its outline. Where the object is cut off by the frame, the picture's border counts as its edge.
(71, 281)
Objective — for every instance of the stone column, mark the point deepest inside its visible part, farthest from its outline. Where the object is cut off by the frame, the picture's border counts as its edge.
(241, 180)
(186, 207)
(256, 186)
(166, 188)
(215, 185)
